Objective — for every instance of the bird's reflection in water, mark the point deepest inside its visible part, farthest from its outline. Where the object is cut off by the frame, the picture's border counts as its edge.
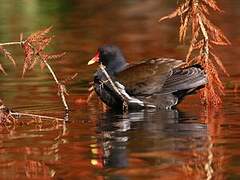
(116, 131)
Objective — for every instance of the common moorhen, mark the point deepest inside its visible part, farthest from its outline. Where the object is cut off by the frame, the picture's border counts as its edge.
(153, 83)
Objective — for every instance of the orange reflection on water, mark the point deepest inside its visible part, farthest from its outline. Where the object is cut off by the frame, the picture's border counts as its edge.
(98, 144)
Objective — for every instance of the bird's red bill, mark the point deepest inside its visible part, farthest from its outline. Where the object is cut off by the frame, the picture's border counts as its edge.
(94, 59)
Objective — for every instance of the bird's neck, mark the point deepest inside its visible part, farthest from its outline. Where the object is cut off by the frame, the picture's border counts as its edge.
(117, 66)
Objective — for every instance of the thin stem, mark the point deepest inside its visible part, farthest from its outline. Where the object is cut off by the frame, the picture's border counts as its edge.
(51, 71)
(60, 86)
(125, 106)
(102, 67)
(205, 35)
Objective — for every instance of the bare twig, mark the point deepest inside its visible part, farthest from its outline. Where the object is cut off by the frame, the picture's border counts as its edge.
(61, 87)
(12, 43)
(125, 104)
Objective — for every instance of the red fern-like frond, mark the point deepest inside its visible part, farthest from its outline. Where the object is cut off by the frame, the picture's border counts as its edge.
(183, 8)
(8, 55)
(38, 36)
(34, 46)
(212, 4)
(34, 50)
(204, 34)
(55, 56)
(2, 69)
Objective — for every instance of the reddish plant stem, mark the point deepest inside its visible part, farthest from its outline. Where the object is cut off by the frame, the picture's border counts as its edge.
(61, 87)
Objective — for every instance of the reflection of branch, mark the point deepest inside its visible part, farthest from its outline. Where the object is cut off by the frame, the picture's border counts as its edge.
(208, 166)
(8, 115)
(35, 116)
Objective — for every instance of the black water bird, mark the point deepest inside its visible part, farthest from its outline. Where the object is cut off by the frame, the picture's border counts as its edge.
(153, 83)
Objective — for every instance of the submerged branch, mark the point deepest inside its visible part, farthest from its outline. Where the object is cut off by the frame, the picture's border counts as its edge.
(8, 117)
(19, 114)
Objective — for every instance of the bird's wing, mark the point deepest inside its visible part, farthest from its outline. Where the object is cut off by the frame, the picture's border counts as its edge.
(183, 79)
(147, 77)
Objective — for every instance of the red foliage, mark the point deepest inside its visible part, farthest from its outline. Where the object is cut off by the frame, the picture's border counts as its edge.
(204, 35)
(34, 49)
(8, 55)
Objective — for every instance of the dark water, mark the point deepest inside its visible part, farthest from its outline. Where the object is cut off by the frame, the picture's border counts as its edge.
(188, 143)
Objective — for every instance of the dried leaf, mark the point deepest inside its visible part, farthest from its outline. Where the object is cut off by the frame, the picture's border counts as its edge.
(192, 44)
(194, 60)
(178, 12)
(204, 9)
(39, 35)
(8, 55)
(34, 62)
(67, 80)
(216, 33)
(219, 43)
(212, 4)
(41, 45)
(213, 77)
(199, 44)
(34, 47)
(219, 63)
(29, 57)
(56, 56)
(2, 69)
(183, 29)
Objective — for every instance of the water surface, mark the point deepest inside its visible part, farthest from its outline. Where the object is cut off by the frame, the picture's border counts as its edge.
(99, 144)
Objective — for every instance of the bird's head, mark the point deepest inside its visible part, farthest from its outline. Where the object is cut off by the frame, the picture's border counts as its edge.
(110, 56)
